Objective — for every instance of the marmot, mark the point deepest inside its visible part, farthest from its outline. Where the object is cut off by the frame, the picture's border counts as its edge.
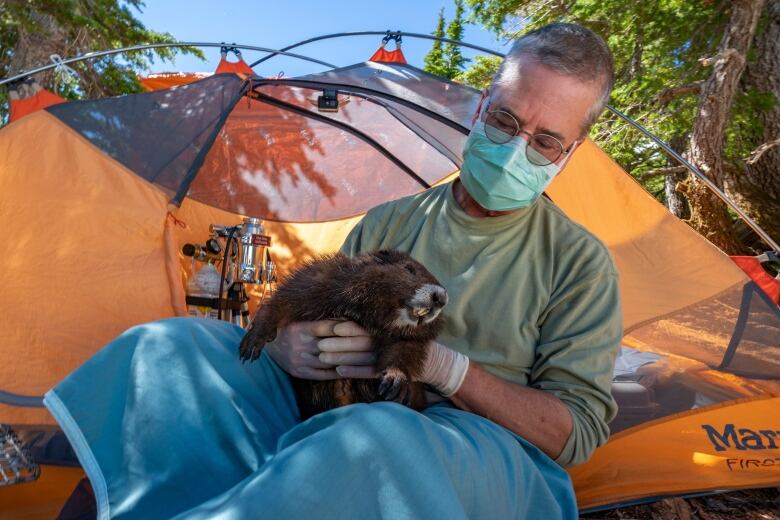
(388, 293)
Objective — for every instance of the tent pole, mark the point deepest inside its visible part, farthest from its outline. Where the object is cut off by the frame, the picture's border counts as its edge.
(362, 91)
(711, 185)
(379, 33)
(92, 55)
(259, 96)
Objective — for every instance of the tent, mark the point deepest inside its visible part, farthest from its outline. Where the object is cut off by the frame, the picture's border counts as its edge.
(100, 195)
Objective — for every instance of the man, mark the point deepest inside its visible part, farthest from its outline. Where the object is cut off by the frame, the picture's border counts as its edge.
(533, 372)
(526, 357)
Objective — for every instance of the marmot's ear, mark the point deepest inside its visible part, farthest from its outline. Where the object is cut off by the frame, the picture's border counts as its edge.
(383, 257)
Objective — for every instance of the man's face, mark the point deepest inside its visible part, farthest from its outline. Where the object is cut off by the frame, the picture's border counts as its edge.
(545, 102)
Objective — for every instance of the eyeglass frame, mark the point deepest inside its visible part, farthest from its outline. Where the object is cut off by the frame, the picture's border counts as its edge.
(563, 151)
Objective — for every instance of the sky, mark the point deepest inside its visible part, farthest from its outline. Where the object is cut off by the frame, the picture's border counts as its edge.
(275, 24)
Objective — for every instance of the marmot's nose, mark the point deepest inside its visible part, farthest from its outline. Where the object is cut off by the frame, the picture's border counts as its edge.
(429, 297)
(439, 296)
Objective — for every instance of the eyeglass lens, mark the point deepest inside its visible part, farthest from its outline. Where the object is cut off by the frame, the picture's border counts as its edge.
(542, 149)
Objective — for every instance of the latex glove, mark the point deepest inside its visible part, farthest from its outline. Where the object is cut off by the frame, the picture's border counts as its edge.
(445, 369)
(296, 349)
(350, 348)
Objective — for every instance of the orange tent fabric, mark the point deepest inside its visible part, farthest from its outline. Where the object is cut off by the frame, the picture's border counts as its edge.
(165, 80)
(692, 452)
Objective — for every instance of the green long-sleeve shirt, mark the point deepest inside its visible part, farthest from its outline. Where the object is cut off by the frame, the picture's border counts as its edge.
(533, 297)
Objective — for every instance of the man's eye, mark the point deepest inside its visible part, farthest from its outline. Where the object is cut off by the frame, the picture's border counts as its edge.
(545, 144)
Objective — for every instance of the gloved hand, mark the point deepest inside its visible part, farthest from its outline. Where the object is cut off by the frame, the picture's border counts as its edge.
(445, 369)
(316, 349)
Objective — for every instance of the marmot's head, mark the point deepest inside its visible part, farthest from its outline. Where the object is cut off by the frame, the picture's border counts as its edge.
(396, 294)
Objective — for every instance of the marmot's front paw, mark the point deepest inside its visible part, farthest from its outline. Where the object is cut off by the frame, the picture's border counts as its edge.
(394, 385)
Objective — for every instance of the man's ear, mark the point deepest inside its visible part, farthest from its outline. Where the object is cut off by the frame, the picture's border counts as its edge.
(482, 98)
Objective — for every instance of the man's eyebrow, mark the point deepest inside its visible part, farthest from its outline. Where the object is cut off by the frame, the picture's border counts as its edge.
(547, 131)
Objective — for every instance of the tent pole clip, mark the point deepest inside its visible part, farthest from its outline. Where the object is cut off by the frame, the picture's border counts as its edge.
(389, 35)
(226, 48)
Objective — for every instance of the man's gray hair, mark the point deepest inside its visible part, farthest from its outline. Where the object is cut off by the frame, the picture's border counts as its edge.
(568, 49)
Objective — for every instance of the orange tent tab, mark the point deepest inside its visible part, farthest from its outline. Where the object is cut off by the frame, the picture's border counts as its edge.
(385, 56)
(28, 97)
(239, 67)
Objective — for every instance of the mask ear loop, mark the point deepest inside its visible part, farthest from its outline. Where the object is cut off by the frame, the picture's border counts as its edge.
(479, 107)
(572, 149)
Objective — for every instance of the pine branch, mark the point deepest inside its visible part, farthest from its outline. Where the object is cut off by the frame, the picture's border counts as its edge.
(756, 154)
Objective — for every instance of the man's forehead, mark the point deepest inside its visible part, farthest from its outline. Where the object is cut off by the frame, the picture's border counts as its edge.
(534, 92)
(505, 95)
(528, 82)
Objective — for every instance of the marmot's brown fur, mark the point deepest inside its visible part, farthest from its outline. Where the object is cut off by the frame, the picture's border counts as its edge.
(388, 293)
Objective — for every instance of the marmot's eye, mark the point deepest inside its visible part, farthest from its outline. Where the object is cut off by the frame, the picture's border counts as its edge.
(410, 268)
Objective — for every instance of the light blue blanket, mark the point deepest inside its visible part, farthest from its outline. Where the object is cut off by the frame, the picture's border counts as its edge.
(168, 423)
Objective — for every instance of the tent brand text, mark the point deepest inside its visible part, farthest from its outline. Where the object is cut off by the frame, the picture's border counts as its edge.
(741, 438)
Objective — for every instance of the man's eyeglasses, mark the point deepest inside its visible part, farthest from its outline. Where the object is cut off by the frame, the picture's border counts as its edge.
(541, 149)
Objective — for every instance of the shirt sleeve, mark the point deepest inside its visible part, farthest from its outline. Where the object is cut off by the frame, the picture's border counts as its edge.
(580, 335)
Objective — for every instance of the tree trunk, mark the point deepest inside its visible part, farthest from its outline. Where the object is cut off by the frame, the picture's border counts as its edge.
(708, 213)
(675, 200)
(758, 188)
(33, 47)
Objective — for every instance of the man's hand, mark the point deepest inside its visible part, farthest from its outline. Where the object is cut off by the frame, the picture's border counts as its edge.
(323, 350)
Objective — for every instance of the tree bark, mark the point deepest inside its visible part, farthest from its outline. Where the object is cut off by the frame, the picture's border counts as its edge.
(708, 213)
(758, 188)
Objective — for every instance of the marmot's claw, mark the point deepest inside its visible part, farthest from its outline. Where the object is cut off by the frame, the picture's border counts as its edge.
(249, 352)
(394, 386)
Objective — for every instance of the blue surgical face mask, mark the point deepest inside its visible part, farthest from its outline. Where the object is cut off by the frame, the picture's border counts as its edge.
(499, 176)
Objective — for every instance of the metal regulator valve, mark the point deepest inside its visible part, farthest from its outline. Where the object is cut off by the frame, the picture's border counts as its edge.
(245, 259)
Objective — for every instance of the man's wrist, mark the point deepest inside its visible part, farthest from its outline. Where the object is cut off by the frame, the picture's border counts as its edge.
(445, 369)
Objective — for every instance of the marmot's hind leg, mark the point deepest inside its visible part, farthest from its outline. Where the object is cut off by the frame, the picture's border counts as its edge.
(262, 331)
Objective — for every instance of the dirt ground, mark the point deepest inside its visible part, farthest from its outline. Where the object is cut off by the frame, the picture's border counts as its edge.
(758, 504)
